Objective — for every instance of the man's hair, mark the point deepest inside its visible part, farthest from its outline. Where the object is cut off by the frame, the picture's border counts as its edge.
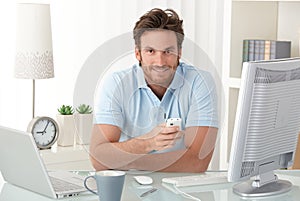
(159, 19)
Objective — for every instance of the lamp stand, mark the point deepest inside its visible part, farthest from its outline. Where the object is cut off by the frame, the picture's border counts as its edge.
(33, 97)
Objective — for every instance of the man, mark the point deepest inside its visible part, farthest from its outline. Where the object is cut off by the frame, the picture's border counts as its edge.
(131, 106)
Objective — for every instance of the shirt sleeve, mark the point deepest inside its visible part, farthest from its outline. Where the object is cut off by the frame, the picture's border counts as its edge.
(204, 102)
(107, 101)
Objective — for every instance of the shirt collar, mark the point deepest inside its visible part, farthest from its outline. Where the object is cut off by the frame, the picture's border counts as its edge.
(178, 78)
(140, 77)
(176, 82)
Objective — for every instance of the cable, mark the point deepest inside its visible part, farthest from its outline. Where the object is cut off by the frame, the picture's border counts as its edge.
(184, 194)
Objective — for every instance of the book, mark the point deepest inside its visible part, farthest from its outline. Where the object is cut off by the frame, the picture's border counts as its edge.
(245, 50)
(258, 49)
(251, 50)
(261, 54)
(280, 49)
(267, 50)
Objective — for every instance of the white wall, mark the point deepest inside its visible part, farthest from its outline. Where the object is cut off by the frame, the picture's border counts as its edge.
(289, 25)
(78, 28)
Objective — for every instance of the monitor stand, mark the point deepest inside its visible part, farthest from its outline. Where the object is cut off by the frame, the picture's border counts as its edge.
(265, 184)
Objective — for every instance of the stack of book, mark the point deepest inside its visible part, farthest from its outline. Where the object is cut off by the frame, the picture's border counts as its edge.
(254, 50)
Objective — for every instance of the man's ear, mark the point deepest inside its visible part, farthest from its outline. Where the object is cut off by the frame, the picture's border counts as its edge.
(137, 54)
(179, 53)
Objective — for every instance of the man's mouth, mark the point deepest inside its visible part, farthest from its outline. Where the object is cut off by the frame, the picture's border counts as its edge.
(160, 68)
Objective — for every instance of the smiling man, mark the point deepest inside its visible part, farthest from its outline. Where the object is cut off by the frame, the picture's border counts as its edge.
(131, 106)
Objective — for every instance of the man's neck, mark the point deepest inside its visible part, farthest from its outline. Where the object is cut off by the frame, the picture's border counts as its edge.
(159, 91)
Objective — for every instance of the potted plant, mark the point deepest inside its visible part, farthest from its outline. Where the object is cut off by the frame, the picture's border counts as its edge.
(66, 124)
(84, 123)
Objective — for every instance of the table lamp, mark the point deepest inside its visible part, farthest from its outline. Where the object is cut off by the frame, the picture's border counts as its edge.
(34, 58)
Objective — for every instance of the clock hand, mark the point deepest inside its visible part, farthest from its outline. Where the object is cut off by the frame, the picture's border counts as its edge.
(41, 132)
(46, 126)
(44, 131)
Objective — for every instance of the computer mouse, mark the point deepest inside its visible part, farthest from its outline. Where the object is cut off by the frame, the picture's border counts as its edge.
(143, 180)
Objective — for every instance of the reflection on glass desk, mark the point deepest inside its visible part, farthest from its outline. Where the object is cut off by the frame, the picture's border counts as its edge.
(67, 158)
(132, 190)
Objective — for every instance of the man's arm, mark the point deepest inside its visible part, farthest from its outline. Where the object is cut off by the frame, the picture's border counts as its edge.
(199, 142)
(107, 153)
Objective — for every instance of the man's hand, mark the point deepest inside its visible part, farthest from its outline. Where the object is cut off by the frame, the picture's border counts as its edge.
(162, 137)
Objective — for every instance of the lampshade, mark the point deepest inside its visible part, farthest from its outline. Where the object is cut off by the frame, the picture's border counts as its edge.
(34, 57)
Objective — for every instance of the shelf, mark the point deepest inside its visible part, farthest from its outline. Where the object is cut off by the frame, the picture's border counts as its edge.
(234, 83)
(250, 20)
(256, 19)
(268, 20)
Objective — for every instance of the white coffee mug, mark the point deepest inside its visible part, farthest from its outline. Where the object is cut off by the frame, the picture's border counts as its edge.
(109, 184)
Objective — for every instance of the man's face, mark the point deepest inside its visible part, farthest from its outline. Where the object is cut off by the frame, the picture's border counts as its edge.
(159, 56)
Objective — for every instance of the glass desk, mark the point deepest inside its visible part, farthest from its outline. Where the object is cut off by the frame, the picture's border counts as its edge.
(132, 190)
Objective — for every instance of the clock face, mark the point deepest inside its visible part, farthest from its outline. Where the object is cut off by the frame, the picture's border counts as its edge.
(44, 131)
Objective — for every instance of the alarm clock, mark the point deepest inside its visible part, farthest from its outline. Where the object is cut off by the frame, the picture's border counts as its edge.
(44, 130)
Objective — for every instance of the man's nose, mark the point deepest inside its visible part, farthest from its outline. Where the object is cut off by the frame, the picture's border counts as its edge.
(160, 58)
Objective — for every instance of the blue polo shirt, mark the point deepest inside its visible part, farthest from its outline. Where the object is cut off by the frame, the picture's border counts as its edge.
(123, 99)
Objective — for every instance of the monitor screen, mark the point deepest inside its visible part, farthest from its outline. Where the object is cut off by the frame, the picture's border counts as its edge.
(266, 126)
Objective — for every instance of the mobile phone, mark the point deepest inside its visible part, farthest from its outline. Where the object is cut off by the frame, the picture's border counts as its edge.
(174, 122)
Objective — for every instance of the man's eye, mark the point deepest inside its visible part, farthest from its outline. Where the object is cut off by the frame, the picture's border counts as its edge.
(149, 51)
(169, 52)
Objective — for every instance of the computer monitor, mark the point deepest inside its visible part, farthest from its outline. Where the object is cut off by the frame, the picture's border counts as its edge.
(266, 126)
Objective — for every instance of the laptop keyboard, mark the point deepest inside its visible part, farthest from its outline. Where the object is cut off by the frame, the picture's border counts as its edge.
(63, 186)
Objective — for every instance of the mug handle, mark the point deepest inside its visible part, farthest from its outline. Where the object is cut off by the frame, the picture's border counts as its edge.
(85, 185)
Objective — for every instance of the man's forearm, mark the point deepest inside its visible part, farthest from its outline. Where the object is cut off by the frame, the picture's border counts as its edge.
(134, 153)
(111, 157)
(107, 152)
(199, 143)
(119, 154)
(175, 161)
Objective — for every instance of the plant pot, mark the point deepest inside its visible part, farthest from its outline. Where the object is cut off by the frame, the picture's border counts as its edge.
(67, 130)
(84, 125)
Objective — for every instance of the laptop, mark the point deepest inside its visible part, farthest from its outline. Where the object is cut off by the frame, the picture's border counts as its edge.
(21, 165)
